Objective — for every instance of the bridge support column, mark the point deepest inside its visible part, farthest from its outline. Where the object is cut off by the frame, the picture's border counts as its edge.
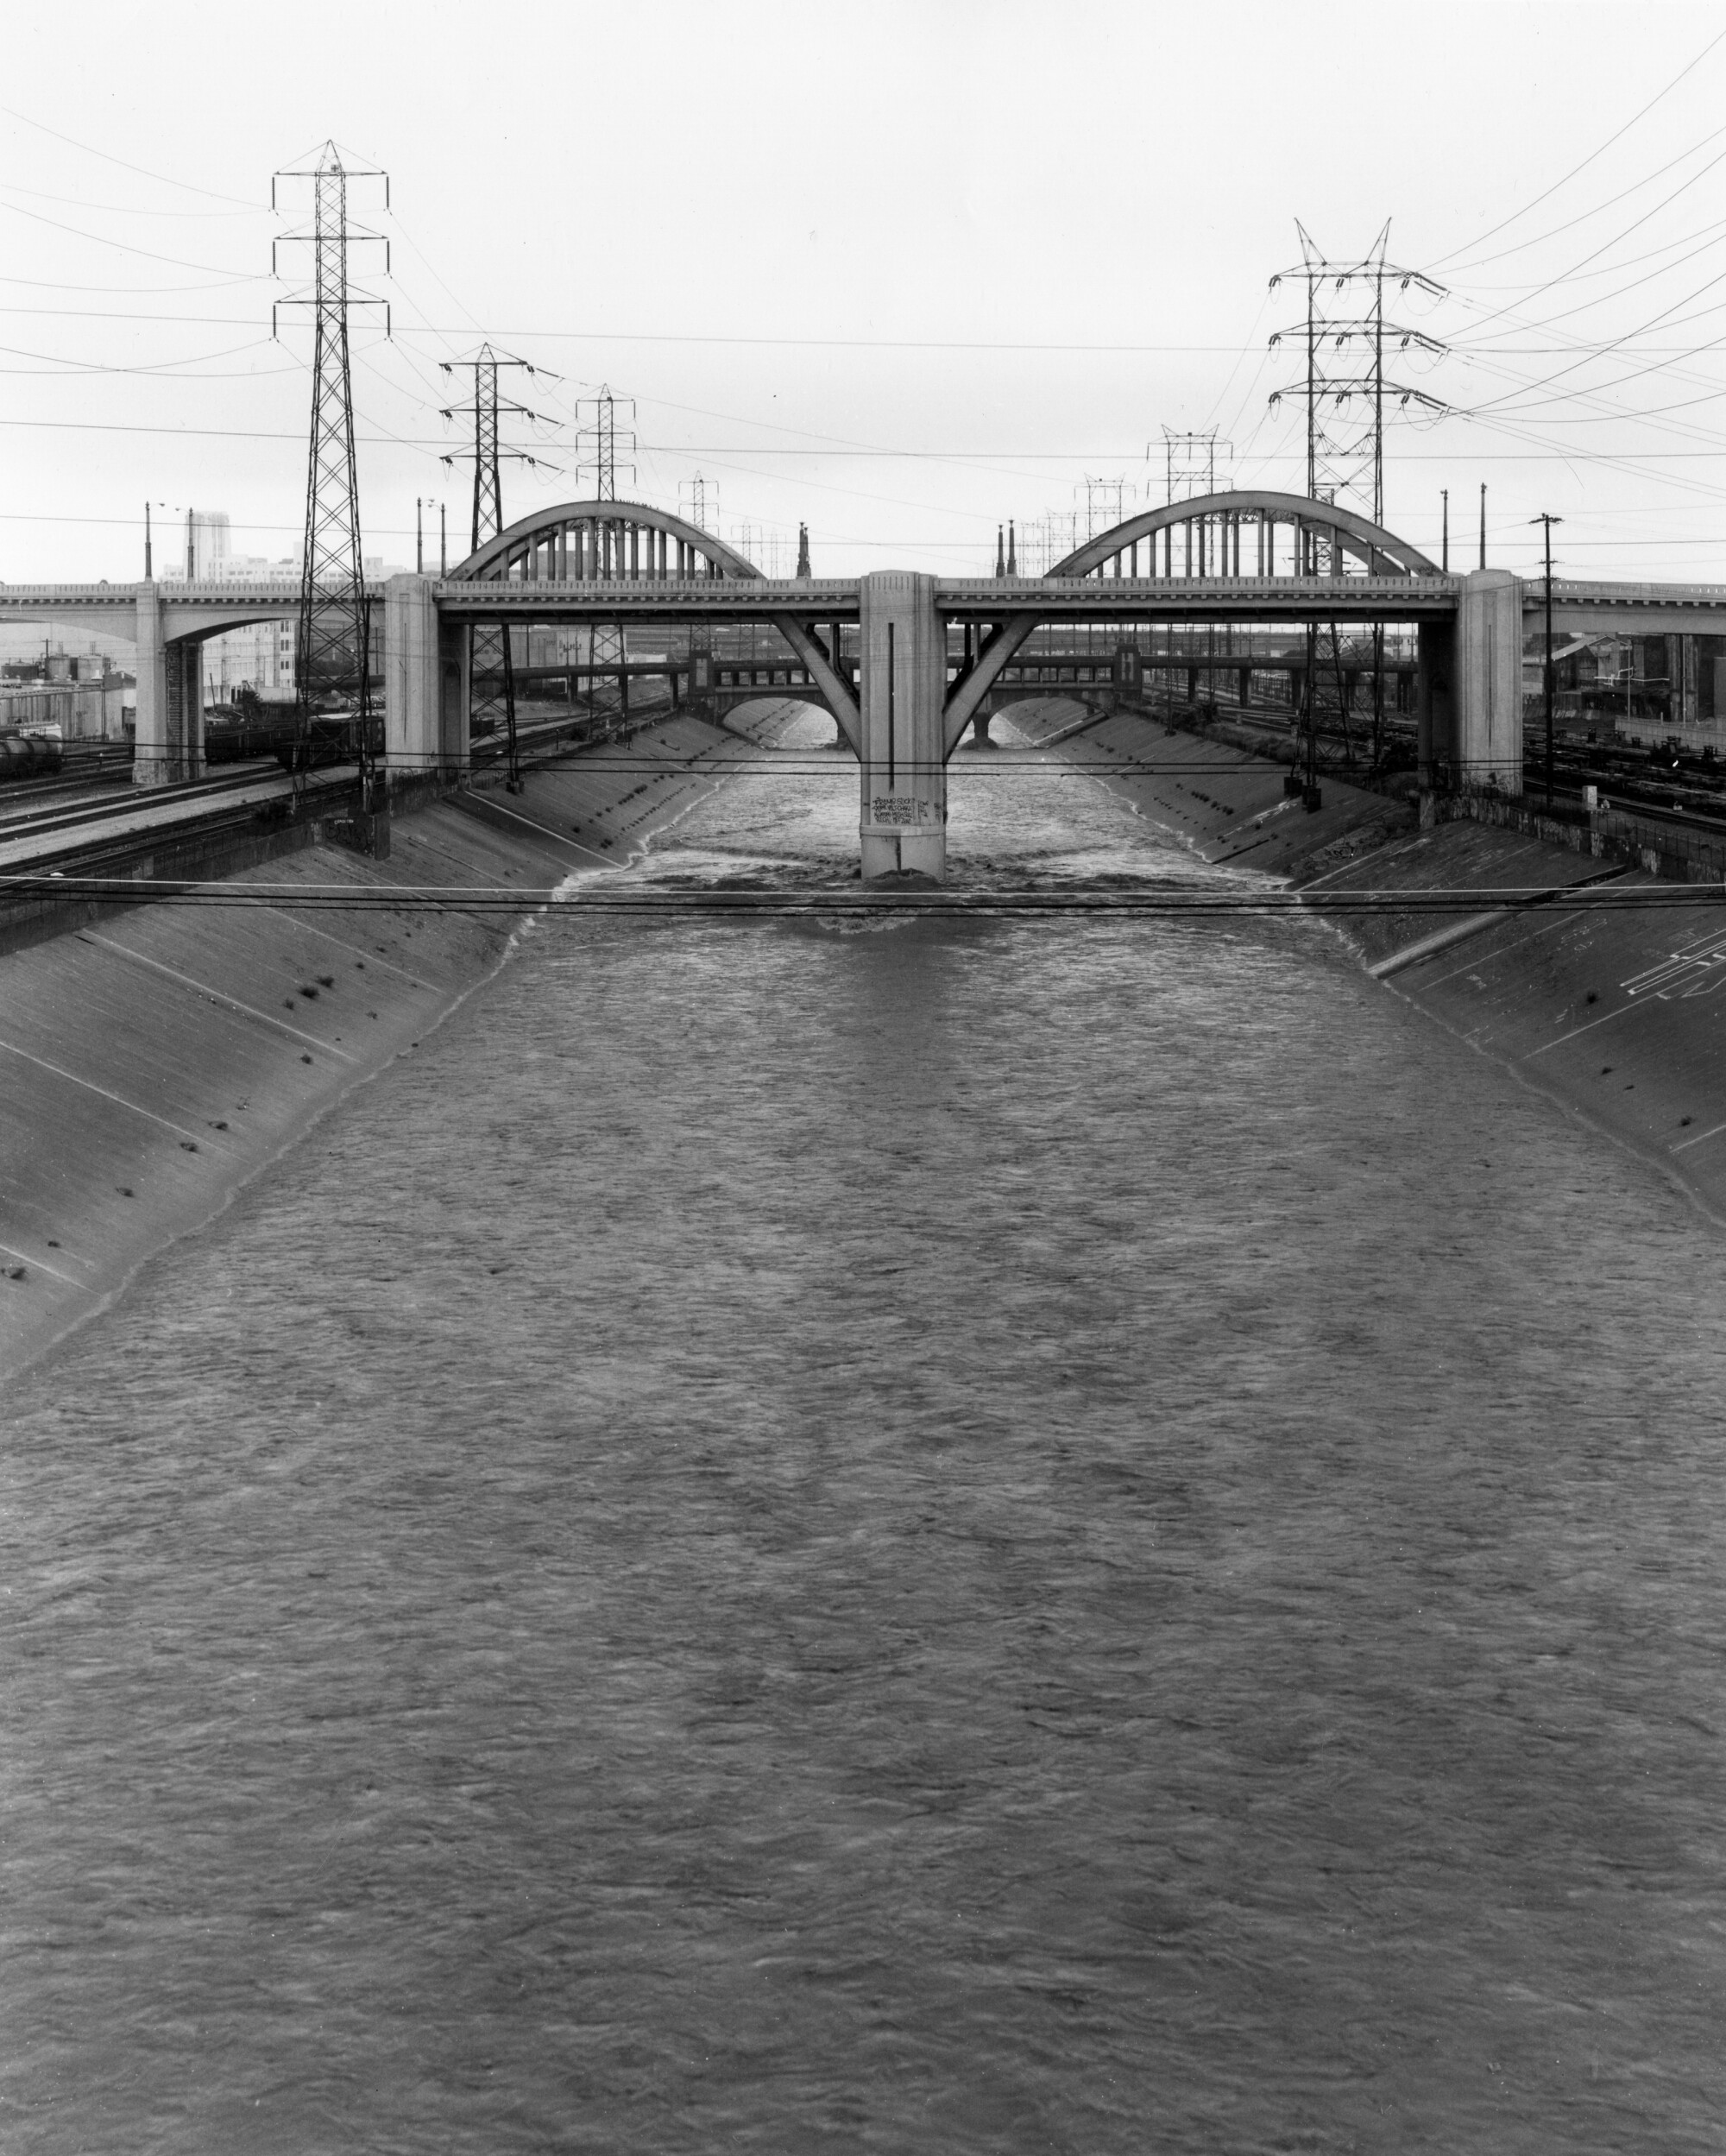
(185, 657)
(150, 741)
(701, 697)
(168, 743)
(455, 698)
(1489, 682)
(413, 714)
(904, 688)
(1434, 710)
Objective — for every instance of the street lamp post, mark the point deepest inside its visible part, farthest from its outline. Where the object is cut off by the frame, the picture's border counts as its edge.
(1548, 520)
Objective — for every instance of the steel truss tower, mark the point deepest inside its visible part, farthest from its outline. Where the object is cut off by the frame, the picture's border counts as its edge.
(332, 652)
(598, 439)
(1345, 391)
(1190, 463)
(491, 664)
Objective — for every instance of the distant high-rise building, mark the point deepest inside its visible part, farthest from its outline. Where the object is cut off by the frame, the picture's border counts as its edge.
(212, 542)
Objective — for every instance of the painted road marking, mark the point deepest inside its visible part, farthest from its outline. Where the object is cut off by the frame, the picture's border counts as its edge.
(1696, 968)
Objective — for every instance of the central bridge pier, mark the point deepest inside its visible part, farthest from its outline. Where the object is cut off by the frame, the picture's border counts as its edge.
(902, 681)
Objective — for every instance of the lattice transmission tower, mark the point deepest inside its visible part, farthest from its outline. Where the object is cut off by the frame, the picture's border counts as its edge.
(332, 651)
(1344, 390)
(605, 450)
(698, 502)
(491, 664)
(1189, 463)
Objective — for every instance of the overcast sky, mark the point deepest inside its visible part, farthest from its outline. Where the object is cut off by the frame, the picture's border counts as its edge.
(898, 271)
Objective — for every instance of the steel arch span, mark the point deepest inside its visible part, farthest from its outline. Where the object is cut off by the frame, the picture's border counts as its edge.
(1224, 518)
(1323, 537)
(603, 542)
(632, 543)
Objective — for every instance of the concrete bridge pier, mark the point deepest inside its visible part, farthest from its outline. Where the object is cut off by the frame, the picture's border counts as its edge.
(425, 683)
(168, 746)
(902, 692)
(1487, 747)
(1434, 710)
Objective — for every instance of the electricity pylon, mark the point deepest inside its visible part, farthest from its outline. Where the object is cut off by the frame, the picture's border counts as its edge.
(491, 666)
(333, 653)
(597, 439)
(1345, 452)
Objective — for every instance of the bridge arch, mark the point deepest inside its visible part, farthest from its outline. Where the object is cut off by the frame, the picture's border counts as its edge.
(603, 542)
(1216, 526)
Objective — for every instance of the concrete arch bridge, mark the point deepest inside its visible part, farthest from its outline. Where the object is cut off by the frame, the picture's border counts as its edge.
(904, 661)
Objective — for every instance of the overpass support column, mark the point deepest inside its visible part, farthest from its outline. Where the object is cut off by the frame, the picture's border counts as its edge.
(1435, 709)
(413, 691)
(1488, 695)
(184, 708)
(455, 691)
(150, 744)
(168, 744)
(902, 692)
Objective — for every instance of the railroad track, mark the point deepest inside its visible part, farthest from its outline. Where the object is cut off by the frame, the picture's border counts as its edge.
(35, 820)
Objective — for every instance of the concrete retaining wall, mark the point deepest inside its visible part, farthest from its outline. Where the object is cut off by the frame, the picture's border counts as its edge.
(1618, 1017)
(154, 1057)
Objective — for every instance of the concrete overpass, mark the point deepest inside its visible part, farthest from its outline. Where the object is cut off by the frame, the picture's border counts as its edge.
(902, 695)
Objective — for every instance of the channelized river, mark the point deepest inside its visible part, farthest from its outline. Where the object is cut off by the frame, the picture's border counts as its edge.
(1000, 1535)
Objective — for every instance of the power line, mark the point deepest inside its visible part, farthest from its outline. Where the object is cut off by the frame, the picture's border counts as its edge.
(107, 156)
(1516, 216)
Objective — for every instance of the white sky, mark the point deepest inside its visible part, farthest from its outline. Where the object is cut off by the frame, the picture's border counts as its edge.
(901, 271)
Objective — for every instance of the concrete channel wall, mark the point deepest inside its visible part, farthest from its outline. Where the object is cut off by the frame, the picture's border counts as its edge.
(1619, 1017)
(155, 1057)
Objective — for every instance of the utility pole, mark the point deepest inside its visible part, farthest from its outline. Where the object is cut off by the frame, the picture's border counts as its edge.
(491, 666)
(332, 652)
(1483, 524)
(1445, 559)
(443, 541)
(1547, 518)
(149, 571)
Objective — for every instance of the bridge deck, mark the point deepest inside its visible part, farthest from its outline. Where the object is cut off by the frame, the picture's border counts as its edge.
(1603, 609)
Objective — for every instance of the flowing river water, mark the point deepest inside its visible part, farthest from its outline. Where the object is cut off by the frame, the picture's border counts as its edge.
(990, 1535)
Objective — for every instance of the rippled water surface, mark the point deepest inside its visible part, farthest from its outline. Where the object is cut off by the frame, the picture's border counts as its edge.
(1068, 1535)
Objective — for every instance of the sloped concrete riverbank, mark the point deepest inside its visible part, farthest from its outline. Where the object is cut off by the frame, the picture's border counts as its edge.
(154, 1060)
(151, 1061)
(1614, 1015)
